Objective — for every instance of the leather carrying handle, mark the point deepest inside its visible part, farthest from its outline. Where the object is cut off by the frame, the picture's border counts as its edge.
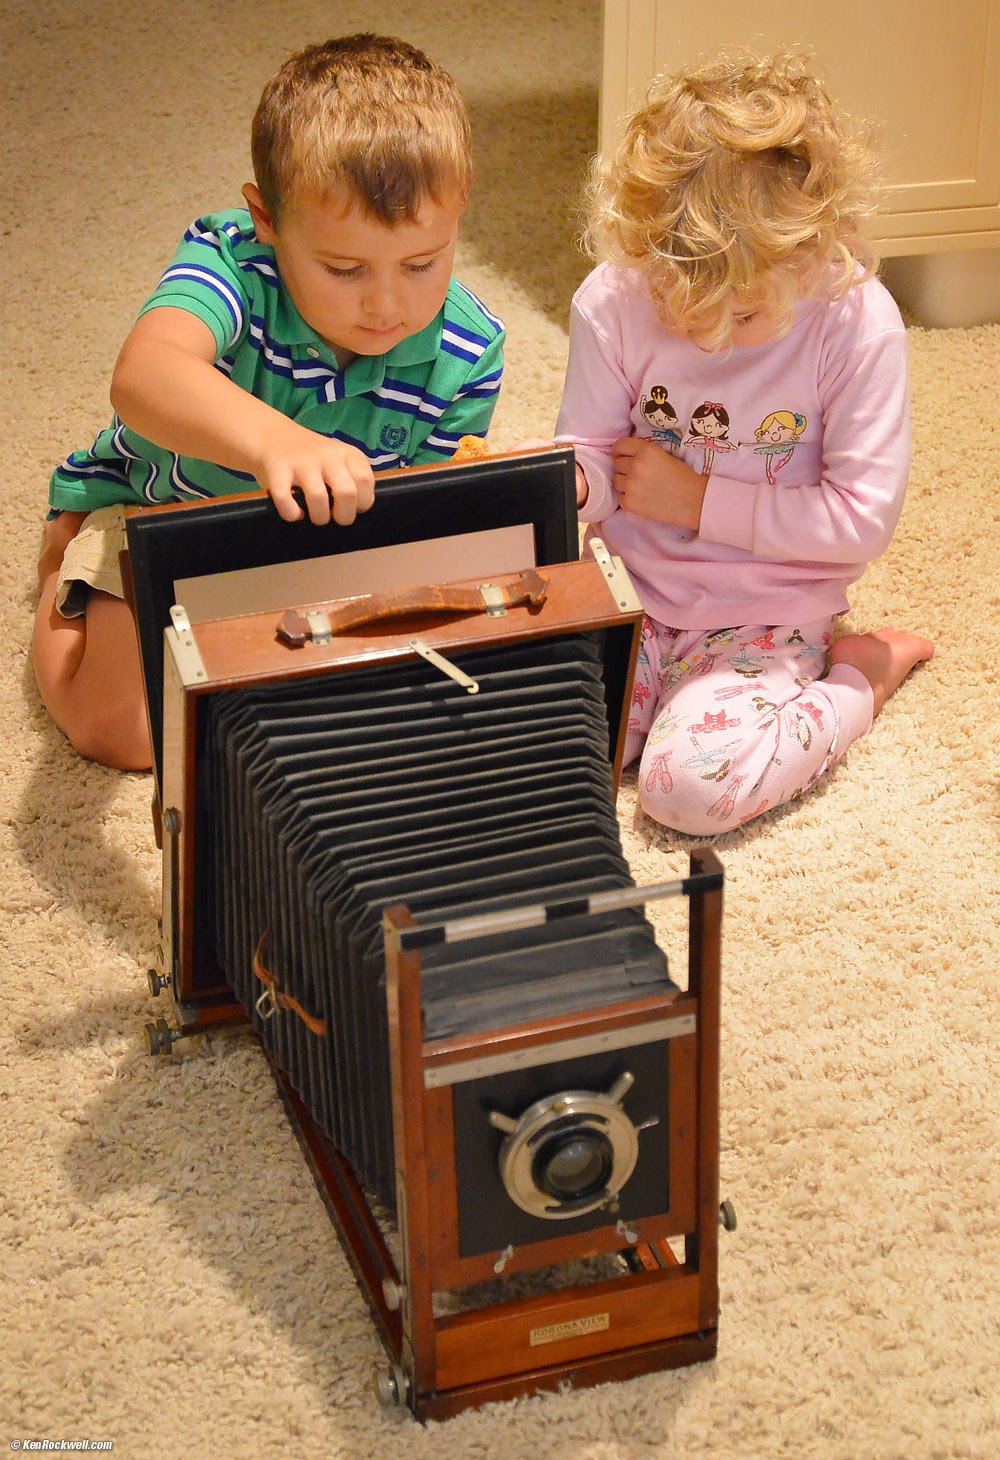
(295, 628)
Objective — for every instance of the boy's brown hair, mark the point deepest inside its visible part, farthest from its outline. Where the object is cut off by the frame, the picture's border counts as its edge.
(367, 113)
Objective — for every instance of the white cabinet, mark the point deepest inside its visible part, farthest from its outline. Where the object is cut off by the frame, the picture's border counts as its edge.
(927, 74)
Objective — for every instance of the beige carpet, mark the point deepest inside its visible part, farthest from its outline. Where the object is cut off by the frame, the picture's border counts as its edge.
(169, 1279)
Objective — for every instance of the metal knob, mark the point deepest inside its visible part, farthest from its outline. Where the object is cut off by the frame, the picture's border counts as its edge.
(391, 1387)
(621, 1087)
(160, 1037)
(393, 1293)
(156, 981)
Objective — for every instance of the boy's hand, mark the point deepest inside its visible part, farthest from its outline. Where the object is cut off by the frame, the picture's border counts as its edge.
(326, 472)
(166, 387)
(652, 483)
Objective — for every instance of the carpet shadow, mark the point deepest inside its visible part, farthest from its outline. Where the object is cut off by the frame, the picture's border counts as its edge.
(529, 233)
(203, 1139)
(59, 833)
(92, 1019)
(243, 1198)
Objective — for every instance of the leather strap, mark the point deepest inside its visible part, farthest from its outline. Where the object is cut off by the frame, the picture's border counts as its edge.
(295, 628)
(279, 999)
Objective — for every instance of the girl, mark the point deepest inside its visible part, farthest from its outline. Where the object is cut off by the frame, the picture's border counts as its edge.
(736, 272)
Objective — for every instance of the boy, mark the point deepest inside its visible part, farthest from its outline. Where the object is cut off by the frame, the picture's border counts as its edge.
(306, 343)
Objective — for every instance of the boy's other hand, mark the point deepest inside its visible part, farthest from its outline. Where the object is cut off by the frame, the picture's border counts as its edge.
(335, 479)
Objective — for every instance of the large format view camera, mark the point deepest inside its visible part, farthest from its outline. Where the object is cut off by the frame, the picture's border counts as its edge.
(390, 841)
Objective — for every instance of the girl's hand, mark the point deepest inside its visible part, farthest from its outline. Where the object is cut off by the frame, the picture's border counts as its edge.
(535, 443)
(652, 483)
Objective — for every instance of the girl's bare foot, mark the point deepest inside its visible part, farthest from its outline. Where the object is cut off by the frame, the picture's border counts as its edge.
(884, 657)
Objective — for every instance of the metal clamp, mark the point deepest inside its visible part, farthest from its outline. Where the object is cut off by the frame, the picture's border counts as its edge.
(187, 655)
(319, 627)
(494, 600)
(267, 1004)
(432, 656)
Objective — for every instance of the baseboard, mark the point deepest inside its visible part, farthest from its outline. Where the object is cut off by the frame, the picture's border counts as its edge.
(946, 290)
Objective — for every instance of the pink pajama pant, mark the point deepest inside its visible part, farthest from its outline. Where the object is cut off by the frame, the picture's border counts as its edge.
(737, 721)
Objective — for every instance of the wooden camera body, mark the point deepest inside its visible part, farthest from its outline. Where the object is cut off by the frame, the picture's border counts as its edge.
(518, 1143)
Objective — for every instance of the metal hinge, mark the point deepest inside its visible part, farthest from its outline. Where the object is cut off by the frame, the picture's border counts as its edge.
(616, 576)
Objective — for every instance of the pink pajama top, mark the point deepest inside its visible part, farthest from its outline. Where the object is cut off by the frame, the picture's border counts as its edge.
(805, 440)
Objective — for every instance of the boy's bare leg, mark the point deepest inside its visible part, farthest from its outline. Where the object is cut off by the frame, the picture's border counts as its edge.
(90, 679)
(884, 657)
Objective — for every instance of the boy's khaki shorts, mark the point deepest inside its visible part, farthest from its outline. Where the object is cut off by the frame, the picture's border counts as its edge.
(91, 561)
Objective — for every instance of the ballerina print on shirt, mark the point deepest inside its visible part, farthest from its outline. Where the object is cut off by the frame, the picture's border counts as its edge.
(662, 418)
(778, 435)
(710, 430)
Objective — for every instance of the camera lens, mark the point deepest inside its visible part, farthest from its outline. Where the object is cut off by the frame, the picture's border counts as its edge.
(574, 1164)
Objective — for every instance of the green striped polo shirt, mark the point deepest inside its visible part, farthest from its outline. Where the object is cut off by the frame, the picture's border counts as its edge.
(405, 407)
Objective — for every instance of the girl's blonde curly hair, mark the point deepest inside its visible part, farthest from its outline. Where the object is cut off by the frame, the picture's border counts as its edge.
(737, 184)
